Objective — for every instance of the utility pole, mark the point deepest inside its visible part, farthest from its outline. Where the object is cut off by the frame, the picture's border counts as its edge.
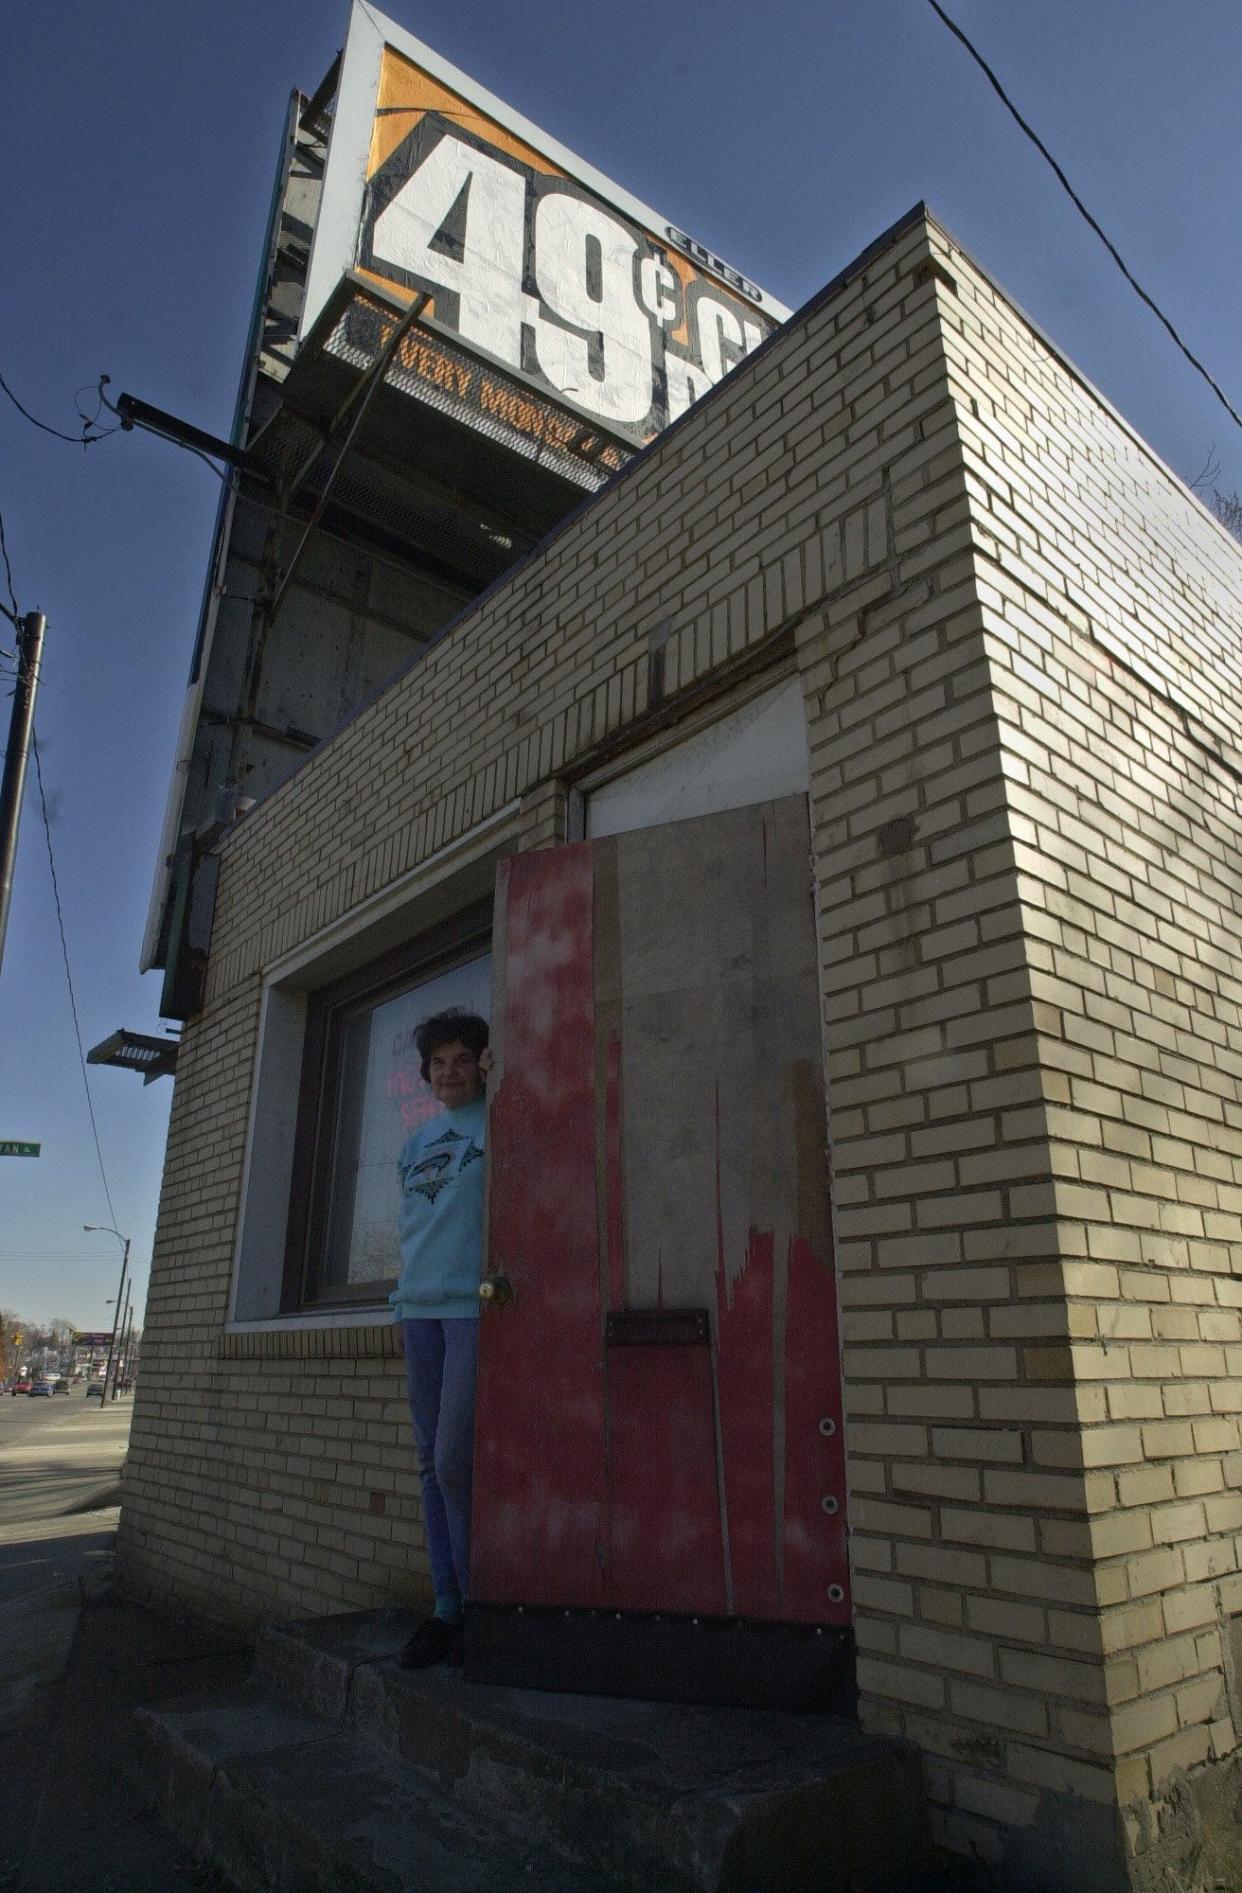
(118, 1329)
(120, 1352)
(30, 631)
(120, 1296)
(124, 1366)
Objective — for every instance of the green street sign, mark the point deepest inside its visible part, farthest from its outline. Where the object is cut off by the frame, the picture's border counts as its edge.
(12, 1149)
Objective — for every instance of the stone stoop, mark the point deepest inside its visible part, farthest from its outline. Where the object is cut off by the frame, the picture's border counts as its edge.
(334, 1770)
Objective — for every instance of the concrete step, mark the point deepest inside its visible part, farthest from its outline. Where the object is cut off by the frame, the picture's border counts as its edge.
(276, 1801)
(652, 1795)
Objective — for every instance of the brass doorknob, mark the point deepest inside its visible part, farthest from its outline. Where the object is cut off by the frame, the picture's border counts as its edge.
(495, 1290)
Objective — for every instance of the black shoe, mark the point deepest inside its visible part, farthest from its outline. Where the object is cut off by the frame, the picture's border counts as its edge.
(433, 1642)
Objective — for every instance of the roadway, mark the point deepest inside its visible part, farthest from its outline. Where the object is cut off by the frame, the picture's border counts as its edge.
(60, 1462)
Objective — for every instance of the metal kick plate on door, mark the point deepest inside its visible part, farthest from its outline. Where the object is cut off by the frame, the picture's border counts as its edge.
(657, 1327)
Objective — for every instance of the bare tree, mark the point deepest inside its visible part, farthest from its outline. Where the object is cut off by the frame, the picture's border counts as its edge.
(1226, 506)
(1228, 509)
(60, 1332)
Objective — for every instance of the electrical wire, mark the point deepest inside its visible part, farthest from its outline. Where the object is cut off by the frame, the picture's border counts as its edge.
(219, 472)
(1081, 208)
(12, 616)
(84, 439)
(51, 862)
(73, 1004)
(92, 420)
(69, 1255)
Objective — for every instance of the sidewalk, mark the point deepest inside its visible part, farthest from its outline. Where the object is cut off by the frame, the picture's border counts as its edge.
(59, 1493)
(59, 1498)
(74, 1814)
(78, 1806)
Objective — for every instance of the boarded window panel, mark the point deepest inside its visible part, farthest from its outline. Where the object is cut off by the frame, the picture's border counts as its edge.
(658, 1161)
(757, 754)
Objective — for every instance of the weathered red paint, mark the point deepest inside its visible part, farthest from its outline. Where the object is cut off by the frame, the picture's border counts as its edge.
(539, 1528)
(744, 1382)
(600, 1479)
(665, 1550)
(612, 1163)
(815, 1550)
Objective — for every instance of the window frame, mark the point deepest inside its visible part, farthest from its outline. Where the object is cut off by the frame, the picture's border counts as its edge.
(465, 936)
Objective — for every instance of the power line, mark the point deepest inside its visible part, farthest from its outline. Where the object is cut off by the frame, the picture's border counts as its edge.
(60, 916)
(1081, 208)
(64, 948)
(92, 420)
(8, 572)
(219, 472)
(84, 439)
(128, 421)
(38, 1255)
(13, 615)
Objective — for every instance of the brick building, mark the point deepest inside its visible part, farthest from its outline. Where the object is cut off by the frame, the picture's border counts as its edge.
(1013, 640)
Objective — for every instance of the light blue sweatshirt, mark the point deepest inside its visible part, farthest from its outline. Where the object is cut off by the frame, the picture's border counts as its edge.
(441, 1221)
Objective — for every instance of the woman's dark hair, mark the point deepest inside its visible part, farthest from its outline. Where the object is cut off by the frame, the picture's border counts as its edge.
(442, 1028)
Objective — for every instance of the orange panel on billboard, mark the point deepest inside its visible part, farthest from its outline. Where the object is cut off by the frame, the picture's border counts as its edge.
(534, 263)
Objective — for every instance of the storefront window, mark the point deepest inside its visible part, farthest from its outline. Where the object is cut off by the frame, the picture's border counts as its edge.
(362, 1097)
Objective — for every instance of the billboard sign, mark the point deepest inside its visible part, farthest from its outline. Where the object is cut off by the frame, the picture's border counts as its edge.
(536, 263)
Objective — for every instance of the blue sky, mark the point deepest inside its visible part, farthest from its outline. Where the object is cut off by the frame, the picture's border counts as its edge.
(138, 148)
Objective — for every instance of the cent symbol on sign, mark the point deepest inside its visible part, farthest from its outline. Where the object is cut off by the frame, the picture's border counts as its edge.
(459, 221)
(533, 270)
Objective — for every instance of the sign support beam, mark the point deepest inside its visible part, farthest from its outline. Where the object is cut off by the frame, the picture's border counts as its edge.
(362, 394)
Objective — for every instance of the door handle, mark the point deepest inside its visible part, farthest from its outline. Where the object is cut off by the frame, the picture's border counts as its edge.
(495, 1291)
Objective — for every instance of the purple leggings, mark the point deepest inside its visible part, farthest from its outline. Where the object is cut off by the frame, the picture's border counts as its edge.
(441, 1368)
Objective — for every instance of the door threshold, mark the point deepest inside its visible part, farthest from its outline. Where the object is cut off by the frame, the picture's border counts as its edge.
(663, 1657)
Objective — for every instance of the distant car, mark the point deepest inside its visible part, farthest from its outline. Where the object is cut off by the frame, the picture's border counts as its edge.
(22, 1386)
(61, 1385)
(40, 1388)
(96, 1387)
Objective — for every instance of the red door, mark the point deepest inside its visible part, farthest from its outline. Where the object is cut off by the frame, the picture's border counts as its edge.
(659, 1423)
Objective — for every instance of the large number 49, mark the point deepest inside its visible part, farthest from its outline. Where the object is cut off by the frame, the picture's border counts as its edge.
(459, 222)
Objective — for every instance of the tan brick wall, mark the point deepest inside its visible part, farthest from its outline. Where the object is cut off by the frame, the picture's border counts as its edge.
(252, 1478)
(1030, 859)
(1112, 615)
(1006, 618)
(968, 1592)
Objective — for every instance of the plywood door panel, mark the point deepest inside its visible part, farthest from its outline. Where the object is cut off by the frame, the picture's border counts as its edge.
(664, 1521)
(539, 1511)
(670, 976)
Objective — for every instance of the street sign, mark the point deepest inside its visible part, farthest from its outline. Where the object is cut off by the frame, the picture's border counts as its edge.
(12, 1149)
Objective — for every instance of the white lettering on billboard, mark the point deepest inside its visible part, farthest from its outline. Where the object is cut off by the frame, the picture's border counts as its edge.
(486, 277)
(584, 261)
(535, 270)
